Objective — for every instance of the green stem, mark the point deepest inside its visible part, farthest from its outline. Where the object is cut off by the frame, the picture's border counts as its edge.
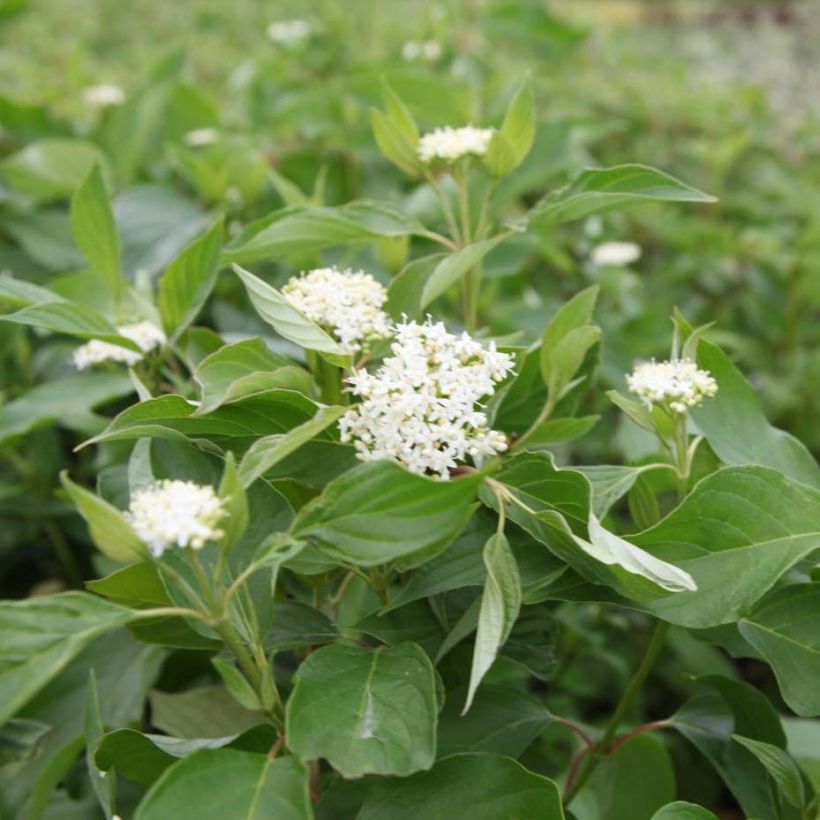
(446, 208)
(681, 455)
(650, 656)
(329, 378)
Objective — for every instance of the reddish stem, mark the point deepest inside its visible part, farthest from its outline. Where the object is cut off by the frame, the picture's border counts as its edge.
(577, 729)
(646, 727)
(573, 769)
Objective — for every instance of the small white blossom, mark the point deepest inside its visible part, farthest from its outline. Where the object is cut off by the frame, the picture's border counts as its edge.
(450, 144)
(289, 33)
(201, 136)
(676, 384)
(103, 95)
(146, 334)
(174, 513)
(616, 253)
(421, 408)
(429, 51)
(345, 302)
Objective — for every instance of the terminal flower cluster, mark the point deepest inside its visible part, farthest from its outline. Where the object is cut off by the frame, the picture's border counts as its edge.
(174, 513)
(289, 32)
(450, 144)
(677, 384)
(345, 302)
(422, 407)
(146, 334)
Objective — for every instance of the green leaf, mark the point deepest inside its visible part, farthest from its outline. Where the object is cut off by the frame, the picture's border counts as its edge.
(453, 267)
(51, 168)
(20, 740)
(501, 719)
(478, 786)
(268, 451)
(345, 708)
(780, 766)
(232, 493)
(500, 604)
(205, 712)
(393, 143)
(683, 811)
(737, 429)
(137, 585)
(633, 781)
(94, 231)
(105, 786)
(236, 683)
(215, 784)
(72, 318)
(560, 431)
(405, 289)
(513, 141)
(597, 190)
(785, 628)
(68, 402)
(187, 282)
(288, 322)
(242, 368)
(736, 533)
(40, 636)
(234, 424)
(110, 531)
(559, 358)
(301, 230)
(378, 512)
(298, 625)
(612, 482)
(398, 113)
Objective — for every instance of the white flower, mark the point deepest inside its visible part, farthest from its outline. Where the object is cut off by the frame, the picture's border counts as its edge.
(345, 302)
(146, 334)
(450, 144)
(615, 253)
(421, 408)
(103, 95)
(201, 136)
(677, 384)
(429, 51)
(175, 514)
(289, 32)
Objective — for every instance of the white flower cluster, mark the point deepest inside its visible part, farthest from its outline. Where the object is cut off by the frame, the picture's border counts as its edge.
(201, 136)
(421, 408)
(615, 253)
(175, 513)
(450, 144)
(103, 95)
(678, 384)
(289, 32)
(429, 51)
(347, 303)
(146, 334)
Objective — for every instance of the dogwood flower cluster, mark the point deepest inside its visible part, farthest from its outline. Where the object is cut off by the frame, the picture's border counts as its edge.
(347, 303)
(103, 95)
(421, 408)
(174, 513)
(289, 33)
(429, 51)
(615, 253)
(201, 136)
(146, 334)
(677, 384)
(450, 144)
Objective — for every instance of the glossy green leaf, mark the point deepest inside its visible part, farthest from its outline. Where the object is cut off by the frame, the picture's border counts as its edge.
(365, 710)
(288, 322)
(500, 604)
(785, 628)
(597, 190)
(207, 712)
(104, 785)
(683, 811)
(736, 533)
(453, 268)
(299, 230)
(188, 281)
(405, 289)
(243, 368)
(94, 231)
(214, 784)
(513, 141)
(782, 769)
(110, 531)
(737, 429)
(40, 636)
(378, 512)
(479, 786)
(235, 502)
(268, 451)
